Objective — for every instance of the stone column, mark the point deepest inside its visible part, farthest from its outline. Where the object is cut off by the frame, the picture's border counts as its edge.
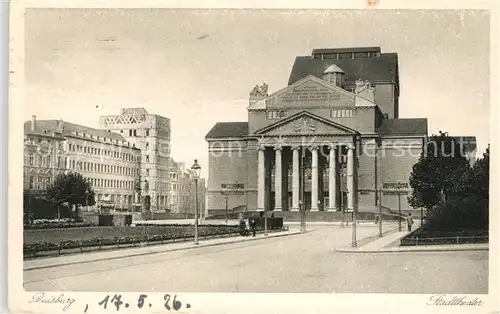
(332, 180)
(278, 179)
(314, 179)
(260, 180)
(295, 179)
(350, 177)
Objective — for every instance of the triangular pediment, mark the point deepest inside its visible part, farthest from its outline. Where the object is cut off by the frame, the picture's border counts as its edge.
(310, 92)
(305, 123)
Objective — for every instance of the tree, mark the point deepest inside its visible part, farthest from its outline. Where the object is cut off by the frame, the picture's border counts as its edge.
(478, 179)
(73, 189)
(475, 195)
(439, 174)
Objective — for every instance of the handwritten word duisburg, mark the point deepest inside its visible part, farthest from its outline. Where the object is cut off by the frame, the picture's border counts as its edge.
(40, 297)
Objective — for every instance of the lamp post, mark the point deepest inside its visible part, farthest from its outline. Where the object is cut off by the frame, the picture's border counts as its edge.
(196, 173)
(354, 241)
(399, 210)
(380, 214)
(225, 197)
(341, 177)
(86, 200)
(302, 202)
(421, 216)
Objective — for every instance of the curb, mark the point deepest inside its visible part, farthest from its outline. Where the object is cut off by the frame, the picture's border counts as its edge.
(158, 252)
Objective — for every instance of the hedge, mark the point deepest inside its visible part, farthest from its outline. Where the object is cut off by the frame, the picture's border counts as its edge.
(58, 225)
(46, 246)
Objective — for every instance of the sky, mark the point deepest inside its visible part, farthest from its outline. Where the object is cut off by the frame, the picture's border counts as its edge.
(197, 67)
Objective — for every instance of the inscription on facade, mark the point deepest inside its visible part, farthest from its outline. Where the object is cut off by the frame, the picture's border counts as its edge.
(395, 188)
(310, 94)
(232, 189)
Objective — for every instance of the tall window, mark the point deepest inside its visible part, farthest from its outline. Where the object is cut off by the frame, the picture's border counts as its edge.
(345, 55)
(276, 114)
(31, 160)
(147, 132)
(358, 55)
(343, 113)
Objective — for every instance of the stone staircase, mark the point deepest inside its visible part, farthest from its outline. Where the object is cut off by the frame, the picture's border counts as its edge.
(365, 213)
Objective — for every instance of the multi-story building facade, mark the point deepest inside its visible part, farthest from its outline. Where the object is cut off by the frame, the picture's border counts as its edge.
(182, 190)
(174, 187)
(151, 134)
(105, 159)
(330, 140)
(44, 155)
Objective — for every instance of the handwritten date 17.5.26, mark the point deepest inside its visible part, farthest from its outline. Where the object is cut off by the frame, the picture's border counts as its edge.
(170, 302)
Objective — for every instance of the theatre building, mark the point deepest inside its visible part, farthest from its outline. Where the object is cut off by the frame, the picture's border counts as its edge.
(330, 140)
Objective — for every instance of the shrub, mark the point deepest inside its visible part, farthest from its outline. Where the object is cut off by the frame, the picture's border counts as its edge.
(58, 225)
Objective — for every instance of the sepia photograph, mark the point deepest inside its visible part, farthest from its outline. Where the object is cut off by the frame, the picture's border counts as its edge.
(330, 151)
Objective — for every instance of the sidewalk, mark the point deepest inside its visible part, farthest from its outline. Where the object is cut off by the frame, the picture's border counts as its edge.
(49, 262)
(390, 244)
(338, 223)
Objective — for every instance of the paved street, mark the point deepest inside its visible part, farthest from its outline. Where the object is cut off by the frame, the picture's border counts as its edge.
(300, 263)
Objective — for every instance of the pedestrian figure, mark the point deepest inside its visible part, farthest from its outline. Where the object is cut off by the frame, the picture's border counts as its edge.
(409, 220)
(253, 227)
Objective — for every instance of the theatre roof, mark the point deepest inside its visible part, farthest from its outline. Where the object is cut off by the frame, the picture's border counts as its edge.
(403, 127)
(375, 69)
(228, 129)
(342, 50)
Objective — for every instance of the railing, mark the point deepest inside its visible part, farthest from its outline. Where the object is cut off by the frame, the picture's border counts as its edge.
(444, 240)
(101, 244)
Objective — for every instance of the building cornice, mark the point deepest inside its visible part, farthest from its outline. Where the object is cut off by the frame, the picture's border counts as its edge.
(227, 139)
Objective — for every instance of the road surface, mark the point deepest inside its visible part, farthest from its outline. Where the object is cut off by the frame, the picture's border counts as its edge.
(301, 263)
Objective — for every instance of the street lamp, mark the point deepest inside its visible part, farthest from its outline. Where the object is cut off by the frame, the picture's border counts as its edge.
(302, 220)
(196, 173)
(302, 189)
(354, 240)
(225, 197)
(421, 216)
(87, 200)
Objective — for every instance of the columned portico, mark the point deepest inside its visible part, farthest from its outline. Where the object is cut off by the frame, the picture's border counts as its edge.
(278, 179)
(350, 177)
(318, 169)
(295, 179)
(314, 178)
(260, 180)
(332, 179)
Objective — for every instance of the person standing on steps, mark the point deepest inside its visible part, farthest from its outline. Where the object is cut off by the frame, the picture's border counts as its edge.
(409, 220)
